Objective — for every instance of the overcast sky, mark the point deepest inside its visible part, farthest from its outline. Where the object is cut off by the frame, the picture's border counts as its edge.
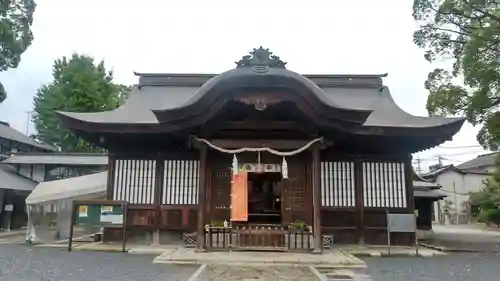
(327, 37)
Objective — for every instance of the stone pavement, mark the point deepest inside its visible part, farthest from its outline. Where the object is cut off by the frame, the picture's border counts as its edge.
(331, 259)
(218, 272)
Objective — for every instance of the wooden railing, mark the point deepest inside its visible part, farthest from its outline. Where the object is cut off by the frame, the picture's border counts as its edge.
(257, 237)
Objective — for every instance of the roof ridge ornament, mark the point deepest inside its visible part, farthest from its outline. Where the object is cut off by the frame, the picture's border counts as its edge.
(260, 60)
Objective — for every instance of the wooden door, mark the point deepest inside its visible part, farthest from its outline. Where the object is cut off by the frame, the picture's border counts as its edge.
(220, 187)
(295, 203)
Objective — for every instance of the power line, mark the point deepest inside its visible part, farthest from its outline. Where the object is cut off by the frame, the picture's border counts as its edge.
(436, 157)
(461, 146)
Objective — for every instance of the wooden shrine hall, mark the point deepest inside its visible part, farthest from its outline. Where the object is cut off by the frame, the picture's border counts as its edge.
(258, 153)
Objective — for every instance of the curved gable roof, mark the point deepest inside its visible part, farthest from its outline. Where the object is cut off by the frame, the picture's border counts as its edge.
(170, 98)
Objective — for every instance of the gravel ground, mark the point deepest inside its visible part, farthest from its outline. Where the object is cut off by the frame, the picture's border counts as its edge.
(20, 263)
(23, 263)
(454, 267)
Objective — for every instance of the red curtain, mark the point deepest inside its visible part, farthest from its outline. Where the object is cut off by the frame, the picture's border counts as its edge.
(239, 197)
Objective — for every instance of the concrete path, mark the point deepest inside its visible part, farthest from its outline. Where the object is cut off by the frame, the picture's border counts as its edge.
(333, 259)
(396, 251)
(464, 238)
(5, 234)
(13, 237)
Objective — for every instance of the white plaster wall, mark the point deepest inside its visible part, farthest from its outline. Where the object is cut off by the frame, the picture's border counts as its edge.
(457, 186)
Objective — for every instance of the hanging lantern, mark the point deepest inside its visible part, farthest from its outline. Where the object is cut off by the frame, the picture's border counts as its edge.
(235, 165)
(284, 169)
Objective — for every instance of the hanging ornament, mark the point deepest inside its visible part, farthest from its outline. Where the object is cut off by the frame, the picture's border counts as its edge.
(284, 169)
(235, 165)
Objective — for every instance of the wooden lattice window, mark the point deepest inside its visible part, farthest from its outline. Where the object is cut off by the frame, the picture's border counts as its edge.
(134, 181)
(384, 184)
(337, 184)
(181, 182)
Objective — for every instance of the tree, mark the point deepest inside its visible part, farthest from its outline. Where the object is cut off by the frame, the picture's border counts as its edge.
(488, 199)
(467, 33)
(16, 18)
(79, 85)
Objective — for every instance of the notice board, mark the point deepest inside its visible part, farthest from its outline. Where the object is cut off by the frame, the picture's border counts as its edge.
(99, 213)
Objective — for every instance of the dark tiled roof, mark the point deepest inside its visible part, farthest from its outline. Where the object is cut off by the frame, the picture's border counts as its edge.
(10, 133)
(353, 92)
(58, 158)
(480, 161)
(433, 193)
(470, 167)
(10, 179)
(437, 171)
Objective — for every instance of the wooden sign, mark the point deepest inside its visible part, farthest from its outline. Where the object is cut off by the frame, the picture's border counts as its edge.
(239, 197)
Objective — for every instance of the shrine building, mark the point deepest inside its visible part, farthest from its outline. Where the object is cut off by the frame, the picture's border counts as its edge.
(262, 149)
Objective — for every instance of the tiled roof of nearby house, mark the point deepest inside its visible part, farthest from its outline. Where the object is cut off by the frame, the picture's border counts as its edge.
(90, 159)
(425, 185)
(480, 161)
(10, 179)
(423, 188)
(433, 193)
(10, 133)
(469, 167)
(437, 171)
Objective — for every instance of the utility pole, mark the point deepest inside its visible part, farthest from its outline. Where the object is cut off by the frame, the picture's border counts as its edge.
(419, 169)
(440, 161)
(28, 120)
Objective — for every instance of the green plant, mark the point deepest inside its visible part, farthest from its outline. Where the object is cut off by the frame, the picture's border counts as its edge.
(216, 223)
(300, 225)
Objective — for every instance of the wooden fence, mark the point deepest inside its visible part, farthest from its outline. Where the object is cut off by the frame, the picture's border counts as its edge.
(257, 238)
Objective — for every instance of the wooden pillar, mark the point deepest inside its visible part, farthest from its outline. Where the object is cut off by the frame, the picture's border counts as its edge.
(316, 180)
(111, 176)
(409, 184)
(409, 191)
(201, 197)
(358, 183)
(158, 187)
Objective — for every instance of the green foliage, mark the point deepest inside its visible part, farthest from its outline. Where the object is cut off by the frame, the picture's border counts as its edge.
(300, 225)
(466, 32)
(217, 223)
(16, 18)
(488, 199)
(79, 85)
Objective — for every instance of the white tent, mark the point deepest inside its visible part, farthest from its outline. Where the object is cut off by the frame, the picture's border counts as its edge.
(71, 188)
(50, 206)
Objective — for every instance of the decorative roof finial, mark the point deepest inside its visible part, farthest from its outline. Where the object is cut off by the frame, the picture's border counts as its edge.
(260, 57)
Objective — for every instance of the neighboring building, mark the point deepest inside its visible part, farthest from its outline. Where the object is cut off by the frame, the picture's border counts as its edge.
(56, 165)
(27, 162)
(13, 141)
(458, 182)
(426, 194)
(53, 166)
(14, 187)
(334, 153)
